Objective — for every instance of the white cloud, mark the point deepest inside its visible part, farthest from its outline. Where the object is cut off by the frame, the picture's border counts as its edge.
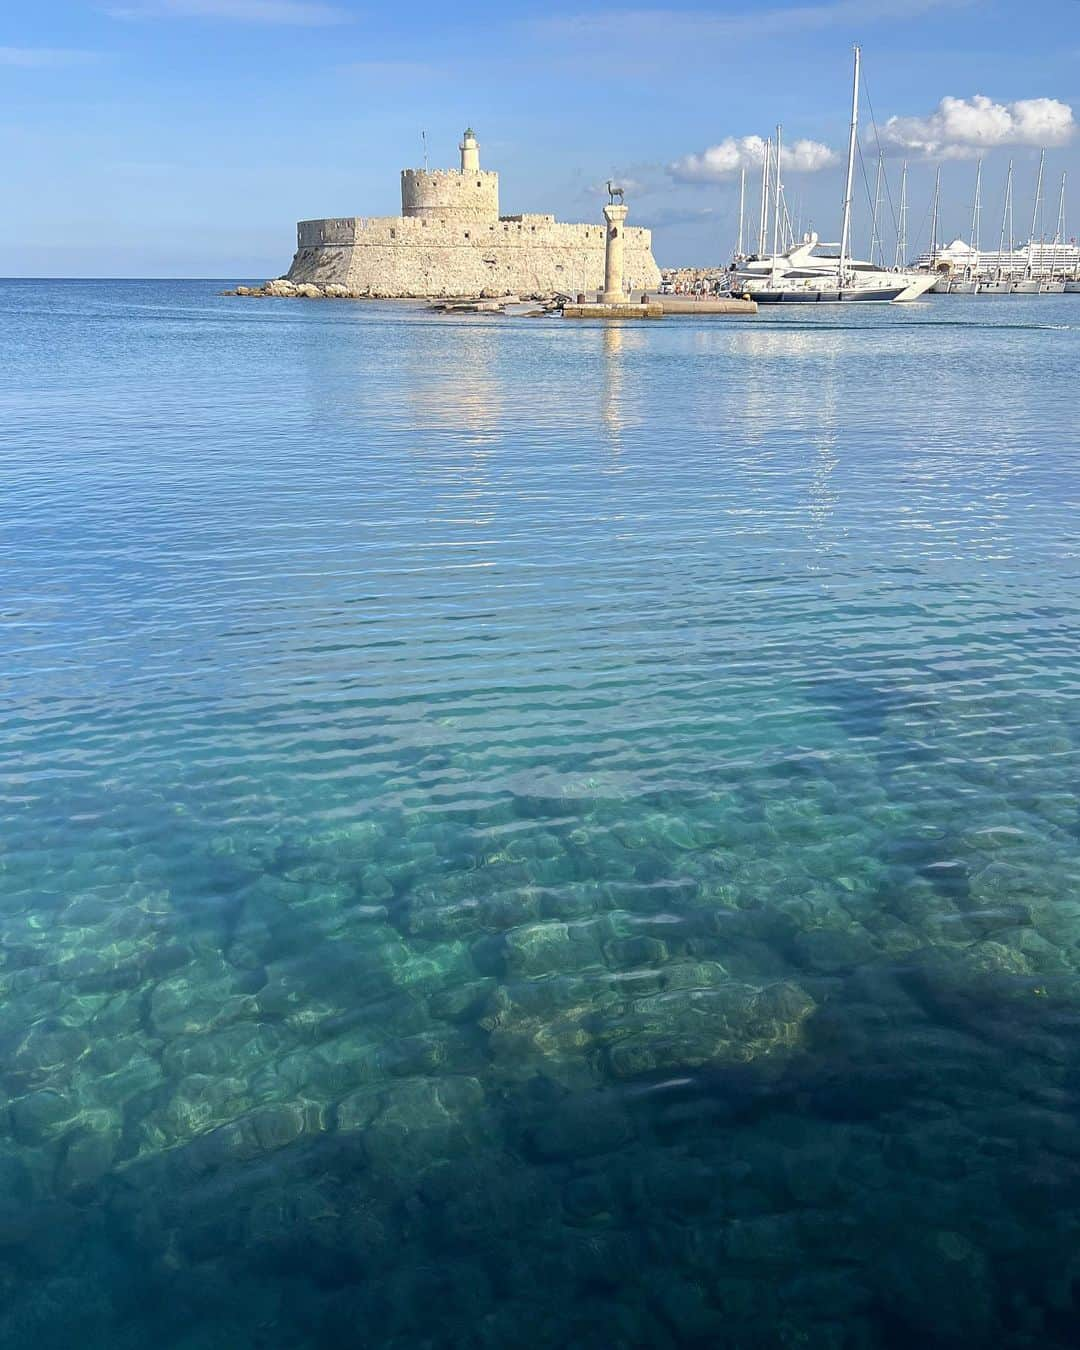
(746, 152)
(43, 57)
(301, 13)
(633, 187)
(960, 128)
(807, 157)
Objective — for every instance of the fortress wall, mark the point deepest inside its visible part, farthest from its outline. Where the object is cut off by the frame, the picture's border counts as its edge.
(349, 230)
(313, 233)
(390, 256)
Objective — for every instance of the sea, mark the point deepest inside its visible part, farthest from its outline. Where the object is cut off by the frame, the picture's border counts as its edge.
(520, 834)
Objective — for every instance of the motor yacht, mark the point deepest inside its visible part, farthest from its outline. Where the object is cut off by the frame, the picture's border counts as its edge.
(801, 275)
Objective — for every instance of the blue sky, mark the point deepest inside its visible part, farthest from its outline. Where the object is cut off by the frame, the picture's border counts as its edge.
(186, 137)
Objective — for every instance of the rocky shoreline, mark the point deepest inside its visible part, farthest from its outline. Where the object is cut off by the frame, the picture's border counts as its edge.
(486, 302)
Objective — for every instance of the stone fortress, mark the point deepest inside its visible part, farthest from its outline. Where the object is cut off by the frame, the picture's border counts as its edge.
(450, 240)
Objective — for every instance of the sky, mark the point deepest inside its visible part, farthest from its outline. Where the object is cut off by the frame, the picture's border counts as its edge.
(172, 138)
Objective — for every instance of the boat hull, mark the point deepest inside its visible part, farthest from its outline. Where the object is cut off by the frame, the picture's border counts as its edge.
(1052, 288)
(1072, 287)
(1025, 288)
(863, 295)
(995, 288)
(963, 288)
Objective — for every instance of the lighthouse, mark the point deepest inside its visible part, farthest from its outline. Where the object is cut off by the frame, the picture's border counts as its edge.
(470, 152)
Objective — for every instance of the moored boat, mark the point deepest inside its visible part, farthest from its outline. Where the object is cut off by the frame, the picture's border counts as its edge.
(799, 275)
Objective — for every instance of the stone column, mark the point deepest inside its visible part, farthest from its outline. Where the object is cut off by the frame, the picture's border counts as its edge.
(613, 255)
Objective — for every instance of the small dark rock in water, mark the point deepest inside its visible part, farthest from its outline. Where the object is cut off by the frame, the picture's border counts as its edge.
(460, 1003)
(938, 1286)
(830, 950)
(582, 1126)
(42, 1115)
(50, 1047)
(88, 1158)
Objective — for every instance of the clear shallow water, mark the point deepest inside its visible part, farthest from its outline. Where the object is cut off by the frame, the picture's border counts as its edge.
(536, 834)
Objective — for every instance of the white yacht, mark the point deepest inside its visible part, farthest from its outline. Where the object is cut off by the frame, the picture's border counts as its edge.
(798, 274)
(801, 273)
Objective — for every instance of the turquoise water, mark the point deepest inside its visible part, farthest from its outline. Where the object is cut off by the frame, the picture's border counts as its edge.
(520, 833)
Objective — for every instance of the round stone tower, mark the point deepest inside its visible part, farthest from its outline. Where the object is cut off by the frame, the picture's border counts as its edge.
(447, 194)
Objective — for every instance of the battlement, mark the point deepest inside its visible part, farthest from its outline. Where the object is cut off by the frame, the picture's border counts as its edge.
(450, 230)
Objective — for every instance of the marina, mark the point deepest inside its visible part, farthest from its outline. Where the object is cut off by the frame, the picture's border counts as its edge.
(1039, 267)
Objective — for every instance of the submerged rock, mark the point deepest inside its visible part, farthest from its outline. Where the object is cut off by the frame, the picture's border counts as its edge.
(90, 1152)
(584, 1124)
(416, 1122)
(691, 1028)
(42, 1116)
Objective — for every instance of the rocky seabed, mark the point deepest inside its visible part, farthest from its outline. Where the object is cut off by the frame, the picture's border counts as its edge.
(442, 1078)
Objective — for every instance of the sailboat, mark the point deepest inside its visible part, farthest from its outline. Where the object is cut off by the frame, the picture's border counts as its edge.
(968, 284)
(799, 274)
(1053, 285)
(1029, 282)
(1000, 285)
(941, 285)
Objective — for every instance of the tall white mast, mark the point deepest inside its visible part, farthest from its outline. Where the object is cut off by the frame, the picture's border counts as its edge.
(776, 194)
(764, 214)
(934, 218)
(1006, 213)
(875, 241)
(1012, 226)
(845, 232)
(901, 229)
(742, 210)
(1035, 212)
(976, 209)
(1059, 232)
